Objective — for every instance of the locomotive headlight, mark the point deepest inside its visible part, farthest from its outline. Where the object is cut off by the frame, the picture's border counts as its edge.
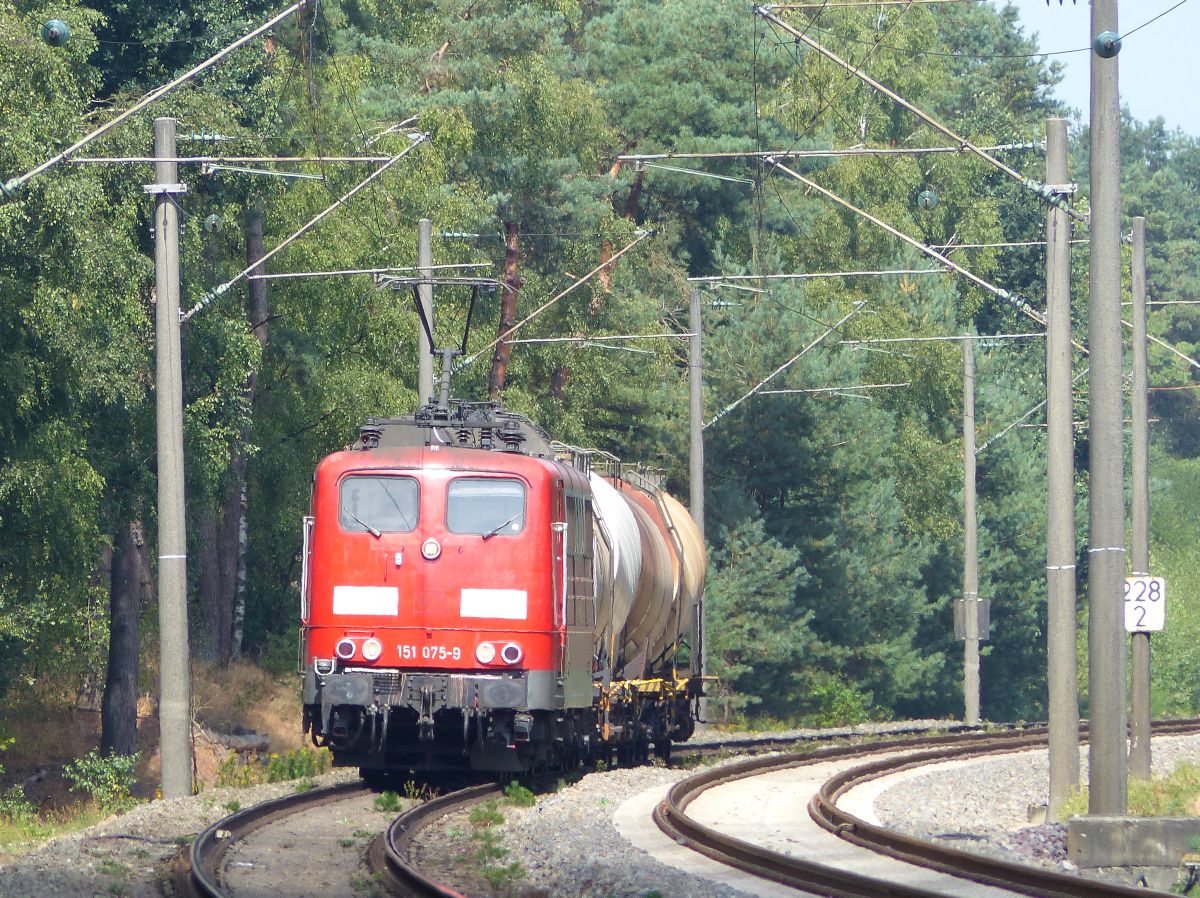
(430, 549)
(485, 653)
(345, 649)
(511, 653)
(372, 649)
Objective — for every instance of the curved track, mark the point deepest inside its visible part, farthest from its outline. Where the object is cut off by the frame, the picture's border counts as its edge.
(389, 854)
(198, 875)
(671, 816)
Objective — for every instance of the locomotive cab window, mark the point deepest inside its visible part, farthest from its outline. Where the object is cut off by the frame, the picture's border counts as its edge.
(488, 506)
(378, 505)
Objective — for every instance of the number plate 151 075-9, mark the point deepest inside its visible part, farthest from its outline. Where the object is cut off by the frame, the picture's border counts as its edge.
(1145, 604)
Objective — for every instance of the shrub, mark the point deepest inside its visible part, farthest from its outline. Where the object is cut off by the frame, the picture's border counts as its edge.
(109, 780)
(16, 809)
(298, 764)
(302, 763)
(520, 796)
(388, 802)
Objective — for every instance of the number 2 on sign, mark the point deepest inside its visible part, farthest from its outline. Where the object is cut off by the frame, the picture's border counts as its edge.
(1145, 604)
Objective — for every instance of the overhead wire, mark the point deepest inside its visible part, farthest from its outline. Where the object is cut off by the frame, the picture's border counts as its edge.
(343, 200)
(858, 307)
(827, 104)
(9, 187)
(350, 106)
(640, 236)
(983, 56)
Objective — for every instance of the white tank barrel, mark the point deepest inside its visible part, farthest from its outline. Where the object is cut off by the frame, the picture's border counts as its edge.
(624, 548)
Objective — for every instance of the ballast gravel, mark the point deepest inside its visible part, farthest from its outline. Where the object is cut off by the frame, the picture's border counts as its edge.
(984, 806)
(128, 855)
(570, 847)
(567, 843)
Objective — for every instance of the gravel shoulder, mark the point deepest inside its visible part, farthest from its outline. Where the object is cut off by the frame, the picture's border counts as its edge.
(127, 855)
(984, 805)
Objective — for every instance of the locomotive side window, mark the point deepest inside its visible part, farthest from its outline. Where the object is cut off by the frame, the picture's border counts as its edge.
(378, 505)
(488, 506)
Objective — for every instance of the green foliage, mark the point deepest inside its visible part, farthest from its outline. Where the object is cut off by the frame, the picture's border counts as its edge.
(758, 638)
(19, 813)
(484, 815)
(835, 521)
(518, 796)
(1175, 555)
(279, 767)
(108, 780)
(388, 802)
(296, 764)
(489, 852)
(1175, 795)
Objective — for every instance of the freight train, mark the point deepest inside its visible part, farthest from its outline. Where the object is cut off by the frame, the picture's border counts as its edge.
(476, 596)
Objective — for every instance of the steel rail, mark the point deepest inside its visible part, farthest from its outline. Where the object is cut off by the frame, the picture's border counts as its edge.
(671, 817)
(390, 854)
(198, 874)
(1018, 877)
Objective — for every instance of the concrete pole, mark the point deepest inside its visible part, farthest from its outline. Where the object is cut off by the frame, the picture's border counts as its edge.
(696, 467)
(1139, 747)
(970, 544)
(174, 703)
(1106, 506)
(425, 291)
(1061, 665)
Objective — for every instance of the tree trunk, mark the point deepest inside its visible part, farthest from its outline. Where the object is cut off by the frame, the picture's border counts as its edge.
(635, 196)
(228, 546)
(558, 383)
(260, 312)
(215, 645)
(508, 310)
(605, 276)
(239, 607)
(630, 212)
(118, 708)
(224, 533)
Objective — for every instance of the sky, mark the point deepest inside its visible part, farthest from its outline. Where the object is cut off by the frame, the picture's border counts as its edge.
(1158, 73)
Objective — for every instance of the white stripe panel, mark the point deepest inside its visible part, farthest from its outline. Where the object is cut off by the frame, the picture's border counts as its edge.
(509, 604)
(366, 600)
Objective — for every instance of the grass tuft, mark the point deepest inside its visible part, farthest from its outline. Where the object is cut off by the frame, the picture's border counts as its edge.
(1174, 795)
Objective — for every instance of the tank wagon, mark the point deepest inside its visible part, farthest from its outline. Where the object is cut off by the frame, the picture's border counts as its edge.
(477, 596)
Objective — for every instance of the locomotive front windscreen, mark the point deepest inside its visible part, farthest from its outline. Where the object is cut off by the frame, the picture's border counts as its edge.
(379, 504)
(488, 506)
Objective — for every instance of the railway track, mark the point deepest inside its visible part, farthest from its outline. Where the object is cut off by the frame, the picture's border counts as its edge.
(198, 873)
(671, 816)
(389, 856)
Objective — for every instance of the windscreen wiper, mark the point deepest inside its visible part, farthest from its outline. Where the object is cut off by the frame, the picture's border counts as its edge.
(403, 516)
(500, 527)
(371, 530)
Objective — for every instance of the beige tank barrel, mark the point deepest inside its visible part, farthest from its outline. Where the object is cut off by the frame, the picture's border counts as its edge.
(655, 592)
(695, 558)
(662, 627)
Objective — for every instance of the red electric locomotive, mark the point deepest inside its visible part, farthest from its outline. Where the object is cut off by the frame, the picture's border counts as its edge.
(470, 600)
